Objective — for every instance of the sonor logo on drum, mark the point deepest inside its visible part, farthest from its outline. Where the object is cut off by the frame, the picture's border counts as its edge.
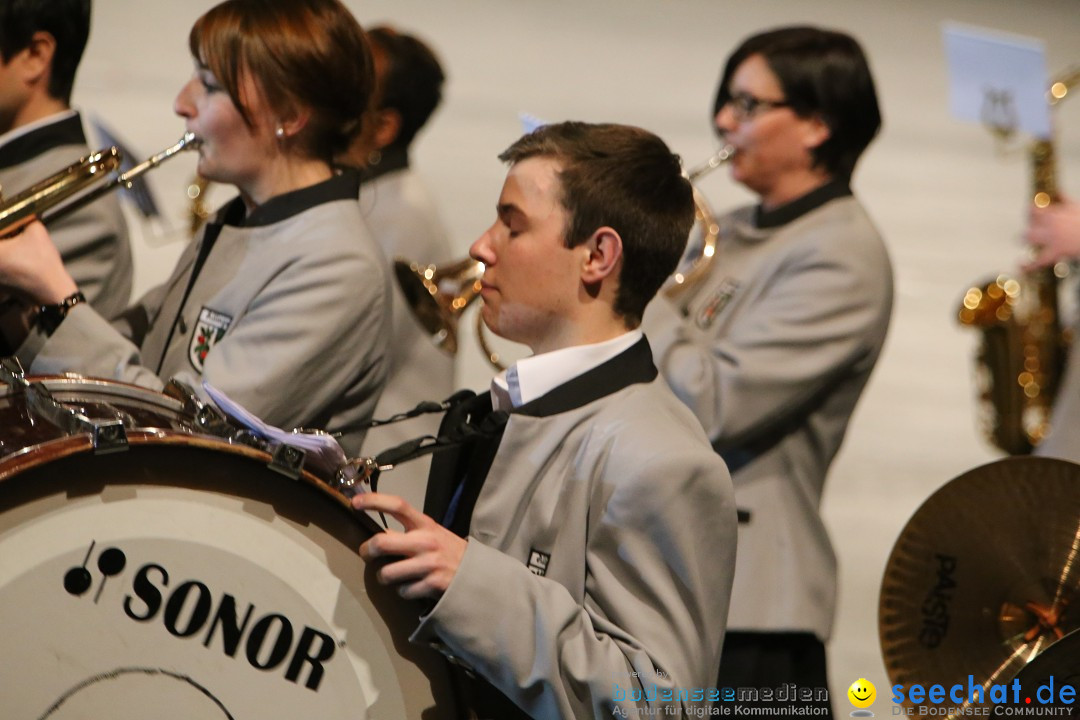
(111, 562)
(190, 609)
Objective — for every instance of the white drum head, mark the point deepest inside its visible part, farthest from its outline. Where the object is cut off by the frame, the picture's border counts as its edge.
(183, 579)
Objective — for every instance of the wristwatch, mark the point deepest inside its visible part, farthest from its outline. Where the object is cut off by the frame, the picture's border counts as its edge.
(49, 317)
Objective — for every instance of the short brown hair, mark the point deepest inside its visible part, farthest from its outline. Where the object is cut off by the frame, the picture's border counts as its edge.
(310, 53)
(627, 179)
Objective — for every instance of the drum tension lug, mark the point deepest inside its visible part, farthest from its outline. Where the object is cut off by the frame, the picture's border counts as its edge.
(287, 460)
(12, 373)
(108, 437)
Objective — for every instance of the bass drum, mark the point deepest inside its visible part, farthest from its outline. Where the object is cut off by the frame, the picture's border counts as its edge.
(182, 578)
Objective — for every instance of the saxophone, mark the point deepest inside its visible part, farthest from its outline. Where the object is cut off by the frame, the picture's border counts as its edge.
(684, 282)
(1022, 354)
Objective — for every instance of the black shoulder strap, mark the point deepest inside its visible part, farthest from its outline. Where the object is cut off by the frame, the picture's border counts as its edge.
(461, 427)
(210, 235)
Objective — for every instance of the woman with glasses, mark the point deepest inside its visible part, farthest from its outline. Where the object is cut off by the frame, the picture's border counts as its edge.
(774, 347)
(282, 301)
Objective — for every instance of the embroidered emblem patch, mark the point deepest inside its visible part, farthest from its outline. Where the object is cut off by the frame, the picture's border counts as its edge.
(538, 562)
(209, 330)
(707, 313)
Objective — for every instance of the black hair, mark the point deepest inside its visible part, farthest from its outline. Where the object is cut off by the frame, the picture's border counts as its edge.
(411, 83)
(68, 21)
(823, 73)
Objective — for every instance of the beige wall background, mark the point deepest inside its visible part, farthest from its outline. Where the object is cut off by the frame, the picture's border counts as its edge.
(950, 206)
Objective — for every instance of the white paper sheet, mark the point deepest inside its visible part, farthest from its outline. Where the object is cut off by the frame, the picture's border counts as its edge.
(997, 79)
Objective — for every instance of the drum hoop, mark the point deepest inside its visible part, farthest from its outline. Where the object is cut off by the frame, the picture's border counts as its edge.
(428, 662)
(35, 455)
(127, 391)
(31, 456)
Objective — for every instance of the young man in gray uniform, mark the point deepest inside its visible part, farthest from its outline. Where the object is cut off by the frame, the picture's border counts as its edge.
(41, 43)
(578, 535)
(772, 350)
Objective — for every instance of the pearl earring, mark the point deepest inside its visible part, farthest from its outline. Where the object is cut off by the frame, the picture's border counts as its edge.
(280, 132)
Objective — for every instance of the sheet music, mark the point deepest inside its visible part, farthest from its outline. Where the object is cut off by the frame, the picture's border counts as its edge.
(997, 79)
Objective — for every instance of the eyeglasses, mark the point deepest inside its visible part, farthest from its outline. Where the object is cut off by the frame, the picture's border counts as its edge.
(745, 106)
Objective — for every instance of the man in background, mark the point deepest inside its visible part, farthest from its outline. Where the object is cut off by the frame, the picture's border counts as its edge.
(401, 214)
(41, 44)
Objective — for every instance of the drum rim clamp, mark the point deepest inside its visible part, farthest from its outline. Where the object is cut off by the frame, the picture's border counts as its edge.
(286, 459)
(106, 436)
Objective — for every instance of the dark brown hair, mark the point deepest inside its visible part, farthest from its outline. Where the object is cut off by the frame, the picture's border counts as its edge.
(411, 83)
(627, 179)
(68, 21)
(307, 53)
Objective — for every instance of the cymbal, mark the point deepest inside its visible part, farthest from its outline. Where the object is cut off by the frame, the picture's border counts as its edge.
(1060, 661)
(1055, 668)
(985, 576)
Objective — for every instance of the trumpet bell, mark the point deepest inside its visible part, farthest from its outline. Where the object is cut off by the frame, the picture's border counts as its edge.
(437, 296)
(21, 209)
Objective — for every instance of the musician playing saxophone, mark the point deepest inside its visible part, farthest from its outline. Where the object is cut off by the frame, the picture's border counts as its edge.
(776, 344)
(41, 44)
(282, 301)
(1053, 234)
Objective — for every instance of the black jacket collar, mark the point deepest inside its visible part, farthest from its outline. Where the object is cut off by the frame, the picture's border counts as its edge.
(468, 462)
(68, 131)
(343, 185)
(633, 365)
(800, 206)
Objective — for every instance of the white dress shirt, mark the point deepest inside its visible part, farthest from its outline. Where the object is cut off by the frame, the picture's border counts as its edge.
(534, 376)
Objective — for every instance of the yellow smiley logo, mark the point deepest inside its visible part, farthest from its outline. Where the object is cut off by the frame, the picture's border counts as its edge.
(862, 693)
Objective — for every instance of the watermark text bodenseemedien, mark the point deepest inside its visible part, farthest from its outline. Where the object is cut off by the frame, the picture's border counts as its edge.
(650, 692)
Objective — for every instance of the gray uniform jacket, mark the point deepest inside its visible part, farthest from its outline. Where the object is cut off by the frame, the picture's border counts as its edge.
(600, 551)
(93, 240)
(776, 348)
(400, 213)
(288, 316)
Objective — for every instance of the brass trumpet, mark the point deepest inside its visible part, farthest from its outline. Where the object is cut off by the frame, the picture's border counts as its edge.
(198, 211)
(34, 202)
(437, 296)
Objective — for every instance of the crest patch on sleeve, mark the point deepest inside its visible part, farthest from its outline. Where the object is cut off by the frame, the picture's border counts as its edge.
(538, 562)
(210, 328)
(708, 311)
